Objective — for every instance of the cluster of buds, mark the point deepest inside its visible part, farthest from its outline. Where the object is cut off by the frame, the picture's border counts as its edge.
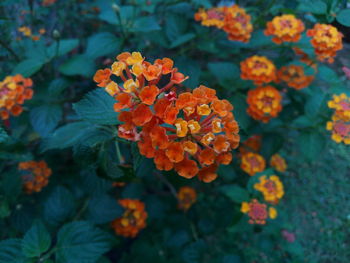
(271, 187)
(232, 19)
(278, 163)
(285, 28)
(186, 197)
(133, 219)
(326, 40)
(14, 90)
(192, 132)
(264, 103)
(35, 175)
(258, 212)
(294, 76)
(340, 123)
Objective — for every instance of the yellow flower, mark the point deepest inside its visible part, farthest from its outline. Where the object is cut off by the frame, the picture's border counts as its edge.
(118, 68)
(130, 85)
(135, 58)
(272, 212)
(194, 126)
(181, 127)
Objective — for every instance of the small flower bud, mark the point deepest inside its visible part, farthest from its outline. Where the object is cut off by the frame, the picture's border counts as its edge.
(116, 8)
(56, 34)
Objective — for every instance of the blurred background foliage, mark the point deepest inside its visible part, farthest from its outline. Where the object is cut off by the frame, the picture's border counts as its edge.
(72, 125)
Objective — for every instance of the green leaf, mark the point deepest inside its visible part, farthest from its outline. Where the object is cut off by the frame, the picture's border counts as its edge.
(231, 259)
(101, 44)
(240, 111)
(343, 17)
(36, 241)
(315, 7)
(223, 70)
(311, 144)
(145, 24)
(97, 107)
(28, 67)
(11, 185)
(103, 209)
(3, 135)
(11, 251)
(57, 86)
(79, 242)
(78, 65)
(45, 118)
(315, 103)
(327, 74)
(182, 40)
(59, 206)
(64, 46)
(67, 135)
(235, 193)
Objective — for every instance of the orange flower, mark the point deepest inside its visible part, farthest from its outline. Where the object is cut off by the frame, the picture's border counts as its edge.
(175, 152)
(152, 72)
(211, 17)
(186, 168)
(208, 174)
(326, 40)
(102, 77)
(133, 219)
(252, 163)
(162, 162)
(35, 175)
(285, 28)
(159, 137)
(14, 90)
(207, 156)
(177, 77)
(186, 196)
(252, 144)
(166, 65)
(264, 103)
(294, 77)
(278, 162)
(148, 94)
(124, 101)
(259, 69)
(224, 158)
(258, 212)
(271, 187)
(340, 128)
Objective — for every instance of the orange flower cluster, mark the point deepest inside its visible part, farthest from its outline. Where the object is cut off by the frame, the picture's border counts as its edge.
(264, 103)
(186, 196)
(271, 187)
(258, 212)
(340, 124)
(294, 77)
(252, 144)
(258, 69)
(14, 90)
(285, 28)
(27, 32)
(232, 19)
(191, 132)
(252, 163)
(326, 40)
(133, 219)
(35, 175)
(278, 163)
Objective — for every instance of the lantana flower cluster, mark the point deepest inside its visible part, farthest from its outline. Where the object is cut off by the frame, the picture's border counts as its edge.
(133, 219)
(294, 76)
(186, 196)
(340, 122)
(14, 90)
(258, 212)
(232, 19)
(35, 175)
(191, 132)
(271, 187)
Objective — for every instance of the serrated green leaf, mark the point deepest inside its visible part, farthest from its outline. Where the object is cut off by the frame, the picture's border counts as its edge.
(36, 241)
(78, 65)
(11, 251)
(63, 47)
(57, 86)
(315, 7)
(81, 242)
(45, 118)
(343, 17)
(103, 209)
(59, 206)
(101, 44)
(180, 40)
(145, 24)
(97, 107)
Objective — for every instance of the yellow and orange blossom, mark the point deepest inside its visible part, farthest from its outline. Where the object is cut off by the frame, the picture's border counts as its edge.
(252, 163)
(259, 69)
(258, 212)
(271, 187)
(186, 196)
(278, 163)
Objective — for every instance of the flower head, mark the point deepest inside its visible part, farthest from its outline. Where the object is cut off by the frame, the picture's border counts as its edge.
(35, 175)
(14, 90)
(252, 144)
(252, 163)
(340, 129)
(294, 77)
(258, 212)
(326, 40)
(341, 105)
(264, 103)
(186, 196)
(284, 28)
(271, 187)
(278, 163)
(133, 219)
(259, 69)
